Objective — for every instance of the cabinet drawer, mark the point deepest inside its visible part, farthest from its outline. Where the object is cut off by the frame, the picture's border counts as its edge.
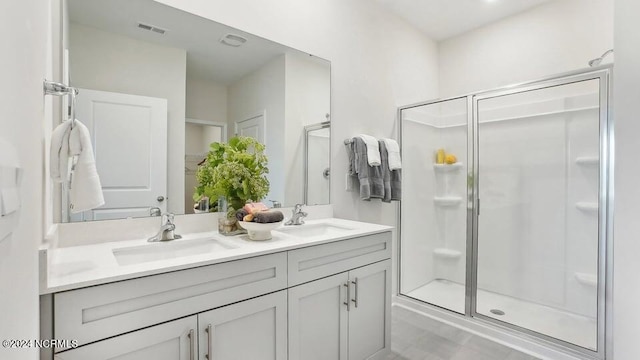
(175, 340)
(99, 312)
(315, 262)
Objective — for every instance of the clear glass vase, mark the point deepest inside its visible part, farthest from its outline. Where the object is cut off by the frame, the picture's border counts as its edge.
(227, 226)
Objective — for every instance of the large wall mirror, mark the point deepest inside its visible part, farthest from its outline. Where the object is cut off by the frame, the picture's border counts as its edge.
(158, 85)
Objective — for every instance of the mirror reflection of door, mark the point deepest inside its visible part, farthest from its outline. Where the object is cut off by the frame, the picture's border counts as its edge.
(199, 134)
(133, 173)
(252, 127)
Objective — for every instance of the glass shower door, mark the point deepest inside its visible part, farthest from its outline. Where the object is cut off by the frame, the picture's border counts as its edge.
(434, 206)
(538, 228)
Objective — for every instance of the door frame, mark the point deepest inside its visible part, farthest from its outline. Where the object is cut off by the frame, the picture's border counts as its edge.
(605, 217)
(222, 125)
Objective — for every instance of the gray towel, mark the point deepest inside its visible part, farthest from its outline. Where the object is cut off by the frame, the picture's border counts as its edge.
(396, 185)
(240, 214)
(370, 177)
(386, 173)
(267, 217)
(391, 178)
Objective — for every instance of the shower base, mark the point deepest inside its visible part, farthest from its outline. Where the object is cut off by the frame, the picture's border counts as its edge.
(566, 326)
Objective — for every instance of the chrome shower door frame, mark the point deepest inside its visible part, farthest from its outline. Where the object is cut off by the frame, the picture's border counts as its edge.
(605, 211)
(307, 129)
(605, 206)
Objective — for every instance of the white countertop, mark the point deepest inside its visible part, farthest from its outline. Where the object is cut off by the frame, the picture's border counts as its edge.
(75, 267)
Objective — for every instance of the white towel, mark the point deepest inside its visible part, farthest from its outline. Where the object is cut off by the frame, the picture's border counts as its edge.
(59, 154)
(86, 190)
(393, 153)
(373, 149)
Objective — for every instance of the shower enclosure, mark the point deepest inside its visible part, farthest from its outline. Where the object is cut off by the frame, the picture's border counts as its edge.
(510, 223)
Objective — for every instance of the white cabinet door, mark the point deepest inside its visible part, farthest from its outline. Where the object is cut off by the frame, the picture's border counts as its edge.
(129, 136)
(318, 319)
(370, 313)
(175, 340)
(254, 329)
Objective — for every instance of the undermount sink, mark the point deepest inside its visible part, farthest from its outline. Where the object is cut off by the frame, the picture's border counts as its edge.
(167, 250)
(308, 230)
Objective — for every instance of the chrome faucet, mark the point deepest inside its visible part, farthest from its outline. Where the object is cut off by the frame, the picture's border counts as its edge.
(167, 228)
(297, 217)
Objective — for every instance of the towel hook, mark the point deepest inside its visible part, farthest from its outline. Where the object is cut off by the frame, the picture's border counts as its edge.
(59, 89)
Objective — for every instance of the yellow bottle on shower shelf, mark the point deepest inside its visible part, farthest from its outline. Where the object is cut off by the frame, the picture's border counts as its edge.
(440, 156)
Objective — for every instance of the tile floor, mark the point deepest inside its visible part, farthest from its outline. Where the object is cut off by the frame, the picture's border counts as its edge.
(420, 338)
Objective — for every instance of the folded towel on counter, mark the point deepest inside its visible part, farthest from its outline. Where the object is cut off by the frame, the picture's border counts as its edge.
(373, 150)
(370, 177)
(59, 153)
(267, 217)
(85, 190)
(393, 154)
(240, 214)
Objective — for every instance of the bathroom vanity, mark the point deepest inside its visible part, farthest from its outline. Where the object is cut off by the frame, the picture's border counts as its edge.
(316, 291)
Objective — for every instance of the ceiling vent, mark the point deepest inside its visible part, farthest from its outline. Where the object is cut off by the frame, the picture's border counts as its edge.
(153, 28)
(233, 40)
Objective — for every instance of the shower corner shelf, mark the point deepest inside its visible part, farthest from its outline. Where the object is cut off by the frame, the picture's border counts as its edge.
(586, 279)
(447, 201)
(587, 206)
(587, 160)
(445, 253)
(447, 167)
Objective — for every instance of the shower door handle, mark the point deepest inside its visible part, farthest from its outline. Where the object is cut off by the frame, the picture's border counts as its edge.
(478, 207)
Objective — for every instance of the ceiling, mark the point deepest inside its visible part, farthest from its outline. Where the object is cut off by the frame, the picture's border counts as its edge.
(207, 58)
(442, 19)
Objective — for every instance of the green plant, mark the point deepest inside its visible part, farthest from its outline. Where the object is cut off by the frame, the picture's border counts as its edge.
(236, 171)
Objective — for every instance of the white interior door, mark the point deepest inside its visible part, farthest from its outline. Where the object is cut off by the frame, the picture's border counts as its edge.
(252, 127)
(129, 135)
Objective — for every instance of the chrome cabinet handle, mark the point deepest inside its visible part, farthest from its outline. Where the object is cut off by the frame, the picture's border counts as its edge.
(208, 331)
(348, 303)
(192, 345)
(355, 297)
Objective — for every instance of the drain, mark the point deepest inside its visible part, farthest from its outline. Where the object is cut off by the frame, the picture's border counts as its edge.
(497, 312)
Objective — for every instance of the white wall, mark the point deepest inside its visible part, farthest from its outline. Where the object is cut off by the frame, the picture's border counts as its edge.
(307, 101)
(24, 28)
(627, 177)
(555, 37)
(206, 100)
(264, 91)
(104, 61)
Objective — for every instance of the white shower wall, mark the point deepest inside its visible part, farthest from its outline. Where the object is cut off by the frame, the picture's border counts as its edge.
(534, 242)
(538, 232)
